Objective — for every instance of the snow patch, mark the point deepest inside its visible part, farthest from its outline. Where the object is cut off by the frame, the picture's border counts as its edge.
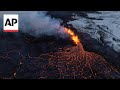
(103, 26)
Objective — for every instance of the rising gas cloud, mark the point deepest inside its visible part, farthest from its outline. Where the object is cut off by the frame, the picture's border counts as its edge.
(36, 23)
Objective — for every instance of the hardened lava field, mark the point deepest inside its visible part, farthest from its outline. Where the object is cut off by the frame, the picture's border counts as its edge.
(21, 59)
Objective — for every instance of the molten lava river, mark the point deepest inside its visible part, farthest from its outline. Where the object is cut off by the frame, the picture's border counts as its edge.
(67, 63)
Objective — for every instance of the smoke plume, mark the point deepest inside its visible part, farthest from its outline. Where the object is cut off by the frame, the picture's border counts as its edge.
(36, 23)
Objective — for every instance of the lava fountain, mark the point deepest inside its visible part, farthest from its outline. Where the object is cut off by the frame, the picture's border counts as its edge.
(73, 36)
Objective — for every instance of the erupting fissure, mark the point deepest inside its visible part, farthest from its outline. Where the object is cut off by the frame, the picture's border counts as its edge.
(73, 36)
(75, 62)
(71, 63)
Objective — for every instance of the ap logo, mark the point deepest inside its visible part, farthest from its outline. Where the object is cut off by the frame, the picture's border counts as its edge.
(10, 23)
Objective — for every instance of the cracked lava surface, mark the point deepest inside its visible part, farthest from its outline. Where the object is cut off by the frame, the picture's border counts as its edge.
(67, 63)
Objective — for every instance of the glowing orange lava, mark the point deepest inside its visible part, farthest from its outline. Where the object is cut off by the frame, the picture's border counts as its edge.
(73, 36)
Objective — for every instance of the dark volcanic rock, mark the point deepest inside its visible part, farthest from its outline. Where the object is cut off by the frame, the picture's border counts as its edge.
(25, 56)
(47, 57)
(107, 52)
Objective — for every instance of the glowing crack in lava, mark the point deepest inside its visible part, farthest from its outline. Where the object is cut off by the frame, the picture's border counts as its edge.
(76, 63)
(67, 63)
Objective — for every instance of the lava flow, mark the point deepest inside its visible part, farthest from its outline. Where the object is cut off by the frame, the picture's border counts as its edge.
(76, 63)
(67, 63)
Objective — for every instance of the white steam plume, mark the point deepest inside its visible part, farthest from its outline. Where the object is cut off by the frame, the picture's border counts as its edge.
(35, 22)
